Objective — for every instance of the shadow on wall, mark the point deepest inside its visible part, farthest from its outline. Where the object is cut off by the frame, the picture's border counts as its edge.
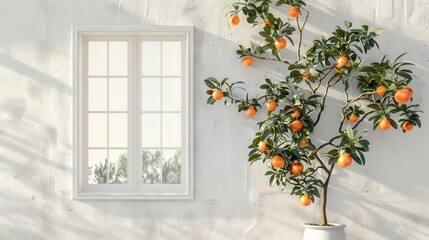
(224, 188)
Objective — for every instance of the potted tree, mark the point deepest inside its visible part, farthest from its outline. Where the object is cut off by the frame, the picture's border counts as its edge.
(295, 105)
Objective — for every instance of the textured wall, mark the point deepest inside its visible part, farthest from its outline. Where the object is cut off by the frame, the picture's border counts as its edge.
(387, 199)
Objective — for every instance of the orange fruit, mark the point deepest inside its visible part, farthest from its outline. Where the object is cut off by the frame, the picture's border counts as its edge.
(353, 118)
(407, 126)
(384, 124)
(296, 126)
(306, 77)
(303, 143)
(248, 61)
(342, 61)
(403, 95)
(271, 105)
(296, 168)
(295, 114)
(234, 20)
(381, 90)
(217, 94)
(304, 200)
(280, 43)
(262, 146)
(267, 24)
(345, 160)
(250, 112)
(278, 162)
(293, 12)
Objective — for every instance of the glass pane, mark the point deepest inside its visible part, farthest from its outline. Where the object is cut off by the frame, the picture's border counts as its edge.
(118, 58)
(171, 166)
(118, 166)
(171, 58)
(171, 94)
(97, 94)
(118, 94)
(171, 130)
(97, 130)
(151, 166)
(151, 94)
(151, 130)
(118, 130)
(97, 58)
(151, 58)
(97, 166)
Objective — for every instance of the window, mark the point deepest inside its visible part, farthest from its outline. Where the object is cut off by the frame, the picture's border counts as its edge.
(133, 113)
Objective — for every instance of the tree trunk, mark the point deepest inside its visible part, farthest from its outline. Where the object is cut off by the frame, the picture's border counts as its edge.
(323, 206)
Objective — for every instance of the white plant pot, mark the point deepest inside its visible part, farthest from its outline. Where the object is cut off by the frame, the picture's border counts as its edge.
(333, 232)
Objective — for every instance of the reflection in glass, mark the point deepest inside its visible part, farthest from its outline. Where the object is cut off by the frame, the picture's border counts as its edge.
(97, 58)
(171, 94)
(151, 58)
(118, 58)
(97, 94)
(171, 58)
(161, 166)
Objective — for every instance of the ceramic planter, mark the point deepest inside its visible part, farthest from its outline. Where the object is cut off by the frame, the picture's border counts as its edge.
(333, 232)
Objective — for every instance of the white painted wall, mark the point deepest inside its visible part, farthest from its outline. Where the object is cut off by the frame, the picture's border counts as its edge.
(387, 199)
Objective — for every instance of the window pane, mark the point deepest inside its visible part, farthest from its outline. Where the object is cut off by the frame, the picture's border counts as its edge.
(151, 166)
(151, 58)
(151, 94)
(118, 130)
(97, 58)
(97, 94)
(118, 58)
(97, 130)
(151, 130)
(171, 166)
(171, 58)
(171, 94)
(171, 130)
(97, 166)
(118, 166)
(118, 94)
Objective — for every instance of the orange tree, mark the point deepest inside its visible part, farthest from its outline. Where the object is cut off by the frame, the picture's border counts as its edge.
(296, 104)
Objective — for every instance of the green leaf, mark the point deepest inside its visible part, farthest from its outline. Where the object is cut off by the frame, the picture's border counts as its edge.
(254, 157)
(209, 84)
(378, 31)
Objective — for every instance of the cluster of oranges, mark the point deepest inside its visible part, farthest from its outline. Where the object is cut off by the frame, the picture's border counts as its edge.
(280, 42)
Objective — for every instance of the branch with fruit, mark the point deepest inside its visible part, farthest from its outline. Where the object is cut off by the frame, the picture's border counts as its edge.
(295, 105)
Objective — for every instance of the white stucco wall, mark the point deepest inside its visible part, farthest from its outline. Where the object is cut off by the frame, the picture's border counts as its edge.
(386, 199)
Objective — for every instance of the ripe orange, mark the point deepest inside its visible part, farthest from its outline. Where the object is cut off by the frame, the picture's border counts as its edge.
(296, 114)
(403, 95)
(293, 12)
(381, 90)
(280, 43)
(234, 20)
(296, 126)
(306, 77)
(353, 118)
(384, 124)
(278, 162)
(407, 126)
(248, 61)
(304, 200)
(267, 24)
(303, 143)
(344, 160)
(250, 112)
(271, 105)
(217, 94)
(342, 61)
(296, 168)
(262, 146)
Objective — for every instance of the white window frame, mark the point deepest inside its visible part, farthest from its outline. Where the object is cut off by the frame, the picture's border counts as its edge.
(131, 190)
